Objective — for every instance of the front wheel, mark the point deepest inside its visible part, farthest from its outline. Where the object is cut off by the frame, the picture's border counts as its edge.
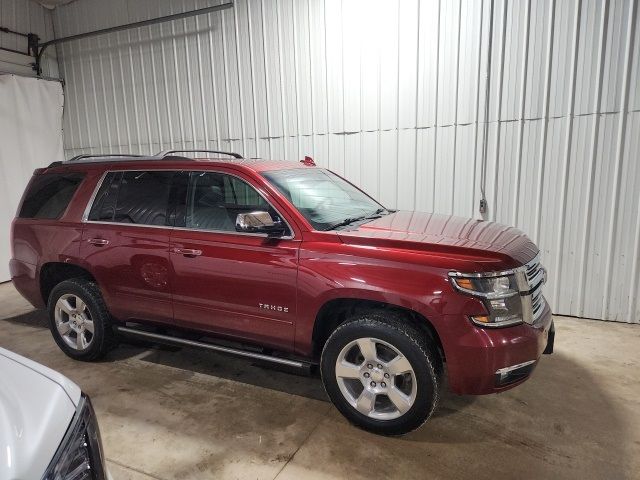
(380, 373)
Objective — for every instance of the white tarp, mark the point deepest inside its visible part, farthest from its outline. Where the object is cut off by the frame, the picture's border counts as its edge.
(30, 137)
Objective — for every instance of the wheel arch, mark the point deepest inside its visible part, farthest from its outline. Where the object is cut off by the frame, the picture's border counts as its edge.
(336, 311)
(52, 273)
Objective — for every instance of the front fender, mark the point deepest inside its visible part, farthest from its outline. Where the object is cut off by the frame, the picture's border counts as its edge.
(327, 276)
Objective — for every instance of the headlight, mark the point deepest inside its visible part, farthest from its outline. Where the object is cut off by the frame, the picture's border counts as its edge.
(79, 456)
(499, 293)
(487, 287)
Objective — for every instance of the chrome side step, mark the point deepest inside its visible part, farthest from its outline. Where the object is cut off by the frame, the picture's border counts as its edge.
(160, 338)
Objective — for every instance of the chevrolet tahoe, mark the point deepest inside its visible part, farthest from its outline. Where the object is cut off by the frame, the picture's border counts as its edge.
(283, 262)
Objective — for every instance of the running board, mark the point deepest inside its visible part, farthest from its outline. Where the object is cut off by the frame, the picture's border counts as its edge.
(157, 337)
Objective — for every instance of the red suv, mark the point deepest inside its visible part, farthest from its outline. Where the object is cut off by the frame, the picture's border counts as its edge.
(287, 263)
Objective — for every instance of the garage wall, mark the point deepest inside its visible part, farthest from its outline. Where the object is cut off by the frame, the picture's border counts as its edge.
(27, 17)
(425, 104)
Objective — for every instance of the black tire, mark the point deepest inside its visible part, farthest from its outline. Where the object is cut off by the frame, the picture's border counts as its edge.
(415, 346)
(102, 339)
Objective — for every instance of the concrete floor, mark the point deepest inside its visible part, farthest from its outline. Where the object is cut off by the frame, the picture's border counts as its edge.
(187, 414)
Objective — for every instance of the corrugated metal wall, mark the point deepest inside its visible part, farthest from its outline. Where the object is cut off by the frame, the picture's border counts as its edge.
(405, 98)
(27, 17)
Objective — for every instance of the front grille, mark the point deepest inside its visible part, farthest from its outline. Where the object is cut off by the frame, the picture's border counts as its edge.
(535, 274)
(537, 304)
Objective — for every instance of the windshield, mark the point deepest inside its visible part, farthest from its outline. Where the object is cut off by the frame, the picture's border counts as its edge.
(323, 198)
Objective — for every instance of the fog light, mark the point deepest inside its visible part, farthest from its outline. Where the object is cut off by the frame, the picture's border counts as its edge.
(514, 373)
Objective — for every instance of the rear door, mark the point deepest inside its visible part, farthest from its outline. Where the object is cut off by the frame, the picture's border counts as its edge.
(236, 284)
(126, 241)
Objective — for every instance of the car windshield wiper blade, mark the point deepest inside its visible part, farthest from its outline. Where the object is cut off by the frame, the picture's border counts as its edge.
(380, 212)
(348, 221)
(345, 222)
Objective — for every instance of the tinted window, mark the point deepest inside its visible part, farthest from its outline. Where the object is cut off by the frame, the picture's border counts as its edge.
(239, 192)
(104, 204)
(49, 195)
(134, 197)
(215, 200)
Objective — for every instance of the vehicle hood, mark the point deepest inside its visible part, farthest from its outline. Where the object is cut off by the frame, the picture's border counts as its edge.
(490, 245)
(36, 407)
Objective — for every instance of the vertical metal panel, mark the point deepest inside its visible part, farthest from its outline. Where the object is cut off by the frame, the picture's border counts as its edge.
(540, 15)
(425, 169)
(318, 68)
(634, 93)
(369, 154)
(550, 212)
(448, 67)
(463, 192)
(564, 49)
(469, 53)
(369, 63)
(351, 31)
(408, 54)
(303, 87)
(388, 52)
(388, 171)
(334, 65)
(625, 282)
(428, 63)
(392, 94)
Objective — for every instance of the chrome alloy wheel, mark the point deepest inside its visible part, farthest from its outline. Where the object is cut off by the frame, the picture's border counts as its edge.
(376, 379)
(73, 321)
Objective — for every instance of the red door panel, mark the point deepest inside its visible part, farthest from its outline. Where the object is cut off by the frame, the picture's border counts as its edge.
(237, 285)
(131, 265)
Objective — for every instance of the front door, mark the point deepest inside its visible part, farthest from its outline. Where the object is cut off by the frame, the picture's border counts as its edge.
(234, 284)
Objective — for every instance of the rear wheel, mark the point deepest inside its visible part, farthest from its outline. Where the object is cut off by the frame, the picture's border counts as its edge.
(79, 319)
(380, 373)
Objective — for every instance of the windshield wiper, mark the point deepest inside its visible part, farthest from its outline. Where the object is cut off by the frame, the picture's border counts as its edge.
(345, 222)
(350, 220)
(380, 211)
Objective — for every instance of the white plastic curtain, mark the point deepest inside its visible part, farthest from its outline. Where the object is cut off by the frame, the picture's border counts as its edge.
(30, 137)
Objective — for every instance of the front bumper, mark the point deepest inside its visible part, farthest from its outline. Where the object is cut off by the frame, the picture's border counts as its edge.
(486, 361)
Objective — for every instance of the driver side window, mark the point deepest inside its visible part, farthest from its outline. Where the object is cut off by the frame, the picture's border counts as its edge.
(215, 199)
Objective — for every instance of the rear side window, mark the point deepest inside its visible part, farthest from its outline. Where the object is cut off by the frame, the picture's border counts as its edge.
(49, 195)
(138, 197)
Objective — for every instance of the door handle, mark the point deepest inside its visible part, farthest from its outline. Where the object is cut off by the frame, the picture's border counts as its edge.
(98, 241)
(188, 252)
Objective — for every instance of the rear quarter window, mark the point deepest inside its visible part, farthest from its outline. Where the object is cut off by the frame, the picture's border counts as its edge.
(49, 195)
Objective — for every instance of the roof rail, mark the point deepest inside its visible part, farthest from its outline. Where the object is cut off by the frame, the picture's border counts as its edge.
(100, 155)
(167, 153)
(87, 157)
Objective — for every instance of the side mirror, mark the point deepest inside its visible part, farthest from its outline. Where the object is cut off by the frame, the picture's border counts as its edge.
(259, 222)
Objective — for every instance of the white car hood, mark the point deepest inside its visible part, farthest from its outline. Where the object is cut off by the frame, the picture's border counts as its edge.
(36, 408)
